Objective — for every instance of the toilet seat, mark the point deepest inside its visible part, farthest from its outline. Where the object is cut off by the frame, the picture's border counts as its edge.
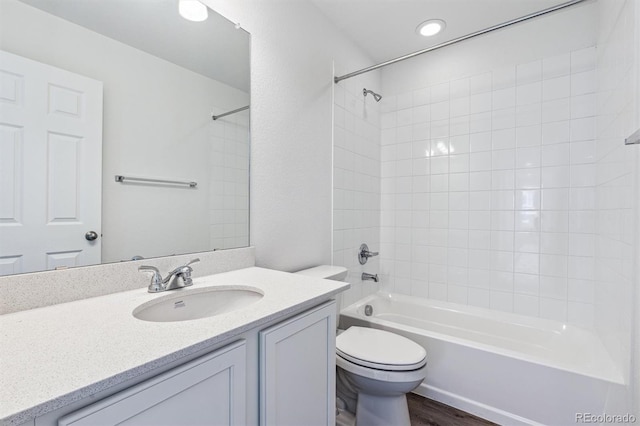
(379, 350)
(384, 367)
(390, 376)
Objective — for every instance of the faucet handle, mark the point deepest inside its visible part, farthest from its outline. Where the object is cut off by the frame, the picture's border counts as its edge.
(184, 273)
(364, 254)
(156, 279)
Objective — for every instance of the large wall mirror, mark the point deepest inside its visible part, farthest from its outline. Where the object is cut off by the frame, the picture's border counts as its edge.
(91, 90)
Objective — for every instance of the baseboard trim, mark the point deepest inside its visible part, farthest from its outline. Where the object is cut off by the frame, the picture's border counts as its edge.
(476, 408)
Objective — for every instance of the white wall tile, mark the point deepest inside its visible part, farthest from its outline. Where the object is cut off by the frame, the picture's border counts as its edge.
(440, 92)
(503, 159)
(556, 110)
(554, 221)
(583, 60)
(421, 96)
(501, 301)
(556, 155)
(479, 297)
(526, 305)
(555, 199)
(480, 102)
(553, 309)
(554, 243)
(583, 106)
(556, 88)
(528, 115)
(529, 73)
(504, 77)
(503, 118)
(459, 88)
(480, 181)
(528, 200)
(480, 83)
(527, 136)
(487, 188)
(480, 122)
(459, 107)
(528, 157)
(583, 129)
(503, 139)
(556, 66)
(555, 177)
(530, 93)
(503, 98)
(527, 242)
(556, 132)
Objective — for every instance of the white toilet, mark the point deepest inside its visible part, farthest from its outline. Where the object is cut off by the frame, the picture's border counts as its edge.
(375, 370)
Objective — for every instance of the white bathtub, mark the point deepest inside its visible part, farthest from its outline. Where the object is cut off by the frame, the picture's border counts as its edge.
(506, 368)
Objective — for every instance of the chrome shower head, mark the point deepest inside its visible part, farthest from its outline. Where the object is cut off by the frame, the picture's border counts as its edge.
(375, 95)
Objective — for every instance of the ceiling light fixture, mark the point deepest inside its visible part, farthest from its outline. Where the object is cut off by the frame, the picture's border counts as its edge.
(431, 27)
(192, 10)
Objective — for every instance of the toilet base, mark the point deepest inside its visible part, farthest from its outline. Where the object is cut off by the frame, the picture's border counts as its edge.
(374, 410)
(345, 418)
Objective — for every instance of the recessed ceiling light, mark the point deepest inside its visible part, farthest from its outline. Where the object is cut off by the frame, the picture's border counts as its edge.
(431, 27)
(193, 10)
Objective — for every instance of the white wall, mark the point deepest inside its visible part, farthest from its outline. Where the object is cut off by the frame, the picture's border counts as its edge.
(292, 52)
(487, 170)
(617, 191)
(141, 136)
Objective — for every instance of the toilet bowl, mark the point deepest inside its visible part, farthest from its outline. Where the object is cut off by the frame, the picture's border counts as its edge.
(375, 369)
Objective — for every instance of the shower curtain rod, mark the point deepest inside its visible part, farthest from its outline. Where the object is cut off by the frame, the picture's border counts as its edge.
(338, 79)
(215, 117)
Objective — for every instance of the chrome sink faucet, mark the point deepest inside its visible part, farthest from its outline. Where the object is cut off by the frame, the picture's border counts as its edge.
(178, 278)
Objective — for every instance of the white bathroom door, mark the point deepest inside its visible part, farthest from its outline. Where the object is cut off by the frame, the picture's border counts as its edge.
(50, 166)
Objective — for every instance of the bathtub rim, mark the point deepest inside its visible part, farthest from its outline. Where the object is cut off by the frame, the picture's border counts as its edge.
(611, 373)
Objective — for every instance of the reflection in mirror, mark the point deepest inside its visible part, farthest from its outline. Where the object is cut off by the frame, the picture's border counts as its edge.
(95, 89)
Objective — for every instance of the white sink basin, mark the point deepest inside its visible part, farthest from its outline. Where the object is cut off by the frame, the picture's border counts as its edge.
(184, 305)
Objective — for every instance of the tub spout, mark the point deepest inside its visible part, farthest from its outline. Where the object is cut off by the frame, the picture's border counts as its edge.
(372, 277)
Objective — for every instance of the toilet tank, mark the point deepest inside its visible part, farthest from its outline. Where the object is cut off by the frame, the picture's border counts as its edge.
(328, 272)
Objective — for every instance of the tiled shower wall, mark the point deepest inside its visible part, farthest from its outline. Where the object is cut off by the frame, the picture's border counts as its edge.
(616, 169)
(488, 189)
(356, 181)
(229, 181)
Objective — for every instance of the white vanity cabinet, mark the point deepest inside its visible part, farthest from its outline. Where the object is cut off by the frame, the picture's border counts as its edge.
(280, 373)
(210, 390)
(297, 370)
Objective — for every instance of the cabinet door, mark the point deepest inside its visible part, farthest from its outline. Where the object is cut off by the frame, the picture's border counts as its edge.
(207, 391)
(297, 370)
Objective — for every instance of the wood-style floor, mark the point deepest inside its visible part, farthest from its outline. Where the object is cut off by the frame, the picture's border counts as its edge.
(427, 412)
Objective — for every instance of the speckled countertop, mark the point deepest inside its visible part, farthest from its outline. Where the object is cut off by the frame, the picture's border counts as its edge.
(52, 356)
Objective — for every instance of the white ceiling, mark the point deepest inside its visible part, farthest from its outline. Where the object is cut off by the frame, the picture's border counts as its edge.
(214, 48)
(385, 29)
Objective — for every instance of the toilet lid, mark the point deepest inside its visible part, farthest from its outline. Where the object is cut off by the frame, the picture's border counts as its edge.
(380, 349)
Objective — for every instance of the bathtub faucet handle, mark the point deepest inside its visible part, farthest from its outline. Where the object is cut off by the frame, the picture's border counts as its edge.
(364, 254)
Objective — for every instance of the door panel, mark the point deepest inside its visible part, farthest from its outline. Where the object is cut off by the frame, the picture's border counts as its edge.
(50, 166)
(11, 171)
